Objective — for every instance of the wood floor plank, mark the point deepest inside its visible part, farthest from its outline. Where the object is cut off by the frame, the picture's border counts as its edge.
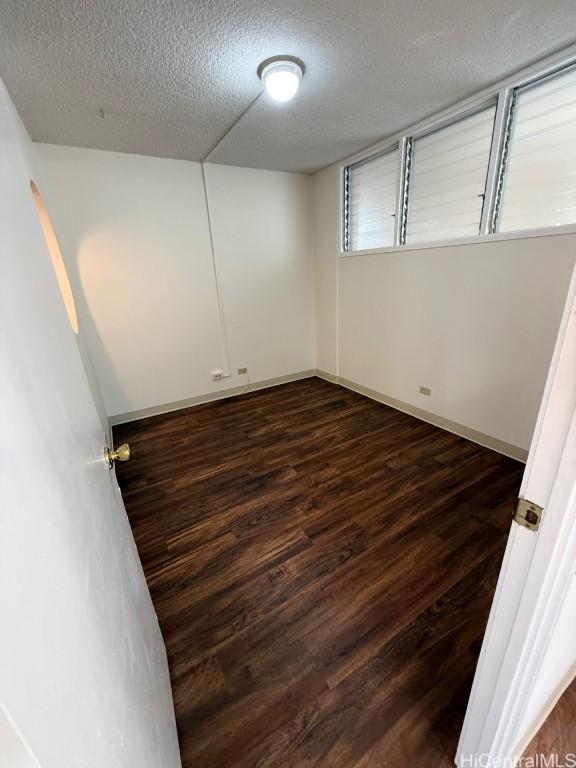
(322, 568)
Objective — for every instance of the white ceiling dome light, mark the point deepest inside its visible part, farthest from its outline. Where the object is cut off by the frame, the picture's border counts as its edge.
(281, 76)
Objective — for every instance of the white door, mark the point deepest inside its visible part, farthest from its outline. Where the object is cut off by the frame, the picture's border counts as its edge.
(83, 674)
(528, 656)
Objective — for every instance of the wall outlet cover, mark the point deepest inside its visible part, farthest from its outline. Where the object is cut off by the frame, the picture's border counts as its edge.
(425, 390)
(242, 371)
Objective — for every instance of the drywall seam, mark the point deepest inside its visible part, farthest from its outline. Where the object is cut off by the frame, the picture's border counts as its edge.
(157, 410)
(507, 449)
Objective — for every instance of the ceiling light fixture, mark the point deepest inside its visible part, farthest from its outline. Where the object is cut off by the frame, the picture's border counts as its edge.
(281, 76)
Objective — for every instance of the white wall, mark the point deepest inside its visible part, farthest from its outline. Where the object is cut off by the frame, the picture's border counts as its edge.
(263, 239)
(134, 233)
(326, 237)
(476, 323)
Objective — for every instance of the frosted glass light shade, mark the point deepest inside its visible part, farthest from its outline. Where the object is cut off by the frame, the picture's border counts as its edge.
(282, 79)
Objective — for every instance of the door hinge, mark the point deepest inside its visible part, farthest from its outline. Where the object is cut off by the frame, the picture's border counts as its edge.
(528, 514)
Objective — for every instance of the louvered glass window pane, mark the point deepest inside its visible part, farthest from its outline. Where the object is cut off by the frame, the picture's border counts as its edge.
(372, 191)
(540, 181)
(448, 179)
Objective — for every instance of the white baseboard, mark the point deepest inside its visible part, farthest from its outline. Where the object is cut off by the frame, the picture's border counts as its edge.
(438, 421)
(513, 451)
(157, 410)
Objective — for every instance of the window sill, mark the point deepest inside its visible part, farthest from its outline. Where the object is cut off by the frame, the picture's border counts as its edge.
(566, 229)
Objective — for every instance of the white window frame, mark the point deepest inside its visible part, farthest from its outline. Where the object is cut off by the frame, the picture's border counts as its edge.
(393, 146)
(503, 95)
(490, 101)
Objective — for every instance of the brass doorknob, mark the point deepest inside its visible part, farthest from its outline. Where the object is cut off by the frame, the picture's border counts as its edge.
(122, 453)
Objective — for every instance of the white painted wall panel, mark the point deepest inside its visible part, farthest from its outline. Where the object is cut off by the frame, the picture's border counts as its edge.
(263, 240)
(476, 323)
(451, 319)
(134, 233)
(326, 244)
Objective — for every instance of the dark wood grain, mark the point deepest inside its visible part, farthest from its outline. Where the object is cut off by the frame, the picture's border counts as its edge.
(322, 567)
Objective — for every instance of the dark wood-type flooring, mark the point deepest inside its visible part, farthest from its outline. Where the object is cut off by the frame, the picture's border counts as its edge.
(322, 567)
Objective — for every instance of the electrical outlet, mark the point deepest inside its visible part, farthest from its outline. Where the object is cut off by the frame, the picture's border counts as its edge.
(217, 375)
(425, 390)
(242, 371)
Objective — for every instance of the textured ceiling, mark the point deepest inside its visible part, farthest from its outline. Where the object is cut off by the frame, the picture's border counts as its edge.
(171, 76)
